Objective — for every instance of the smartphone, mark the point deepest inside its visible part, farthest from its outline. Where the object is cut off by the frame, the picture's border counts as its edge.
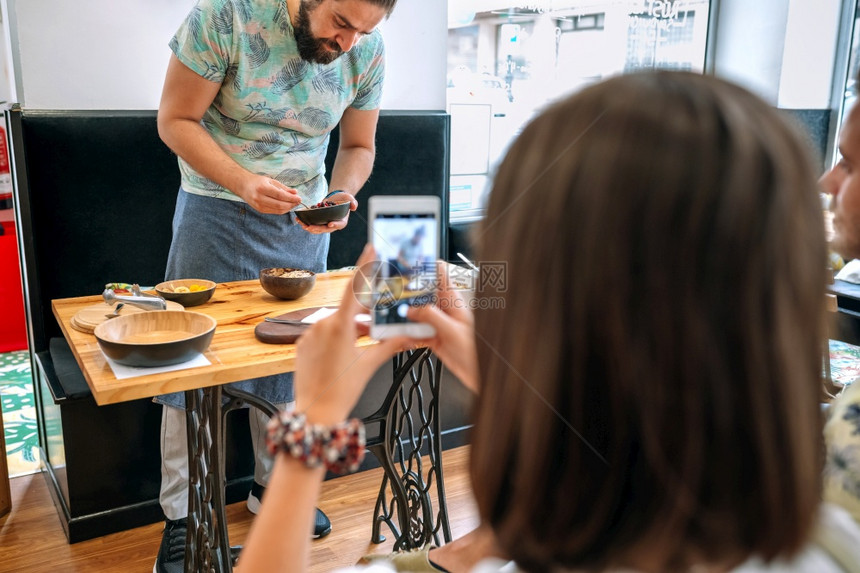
(405, 231)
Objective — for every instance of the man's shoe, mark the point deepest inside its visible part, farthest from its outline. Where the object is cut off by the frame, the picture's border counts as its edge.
(255, 498)
(322, 525)
(171, 554)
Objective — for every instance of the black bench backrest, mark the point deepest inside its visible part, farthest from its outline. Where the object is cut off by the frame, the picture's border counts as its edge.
(814, 124)
(411, 159)
(97, 189)
(96, 192)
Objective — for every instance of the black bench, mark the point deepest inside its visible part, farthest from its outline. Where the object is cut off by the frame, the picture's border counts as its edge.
(94, 194)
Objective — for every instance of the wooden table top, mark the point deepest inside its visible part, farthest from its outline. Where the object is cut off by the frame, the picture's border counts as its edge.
(235, 353)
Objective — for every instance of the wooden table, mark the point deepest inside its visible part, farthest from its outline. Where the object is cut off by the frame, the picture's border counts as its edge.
(235, 354)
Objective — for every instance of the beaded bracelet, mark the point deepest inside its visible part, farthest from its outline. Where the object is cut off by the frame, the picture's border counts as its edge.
(340, 448)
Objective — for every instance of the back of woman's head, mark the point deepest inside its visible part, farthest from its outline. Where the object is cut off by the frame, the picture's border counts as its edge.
(650, 385)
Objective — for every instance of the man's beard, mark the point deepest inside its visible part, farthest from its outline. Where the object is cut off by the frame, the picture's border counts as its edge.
(311, 48)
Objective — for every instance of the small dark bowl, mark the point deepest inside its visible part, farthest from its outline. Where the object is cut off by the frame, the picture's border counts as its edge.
(167, 290)
(322, 215)
(155, 338)
(287, 288)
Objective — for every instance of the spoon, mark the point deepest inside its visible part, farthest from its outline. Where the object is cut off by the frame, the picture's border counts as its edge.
(286, 321)
(115, 312)
(324, 198)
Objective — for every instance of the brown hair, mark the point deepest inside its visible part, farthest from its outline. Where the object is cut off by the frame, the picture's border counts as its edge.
(650, 389)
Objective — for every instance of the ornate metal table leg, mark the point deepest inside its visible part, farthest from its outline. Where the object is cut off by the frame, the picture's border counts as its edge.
(240, 399)
(207, 545)
(237, 399)
(409, 428)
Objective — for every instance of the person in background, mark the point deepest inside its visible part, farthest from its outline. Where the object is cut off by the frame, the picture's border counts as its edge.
(842, 430)
(410, 254)
(253, 90)
(648, 390)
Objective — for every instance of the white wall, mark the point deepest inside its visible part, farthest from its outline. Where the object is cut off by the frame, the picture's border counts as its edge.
(783, 50)
(749, 44)
(112, 54)
(416, 44)
(7, 84)
(810, 46)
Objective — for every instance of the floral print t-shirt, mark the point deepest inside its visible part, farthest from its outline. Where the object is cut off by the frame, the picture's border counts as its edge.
(842, 435)
(274, 111)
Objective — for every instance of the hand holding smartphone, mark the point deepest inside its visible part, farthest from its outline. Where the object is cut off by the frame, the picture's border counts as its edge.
(405, 232)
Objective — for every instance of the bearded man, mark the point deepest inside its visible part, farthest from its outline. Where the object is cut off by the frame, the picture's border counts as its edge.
(252, 92)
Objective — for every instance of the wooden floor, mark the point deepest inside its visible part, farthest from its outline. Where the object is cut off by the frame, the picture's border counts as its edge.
(32, 540)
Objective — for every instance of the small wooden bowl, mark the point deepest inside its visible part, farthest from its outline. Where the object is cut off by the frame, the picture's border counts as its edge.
(155, 338)
(167, 289)
(287, 288)
(322, 215)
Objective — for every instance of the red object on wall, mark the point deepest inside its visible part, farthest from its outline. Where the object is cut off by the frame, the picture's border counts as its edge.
(13, 324)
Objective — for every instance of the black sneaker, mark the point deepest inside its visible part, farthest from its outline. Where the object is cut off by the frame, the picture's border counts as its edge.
(322, 525)
(171, 554)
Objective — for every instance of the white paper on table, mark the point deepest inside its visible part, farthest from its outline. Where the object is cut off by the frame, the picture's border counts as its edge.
(850, 272)
(327, 312)
(319, 315)
(122, 371)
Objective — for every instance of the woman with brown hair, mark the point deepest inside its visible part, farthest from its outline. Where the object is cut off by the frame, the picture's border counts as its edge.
(649, 375)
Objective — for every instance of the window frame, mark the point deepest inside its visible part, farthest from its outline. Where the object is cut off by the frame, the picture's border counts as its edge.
(841, 76)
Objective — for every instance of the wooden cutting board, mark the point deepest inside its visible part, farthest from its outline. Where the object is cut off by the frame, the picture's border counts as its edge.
(87, 319)
(274, 333)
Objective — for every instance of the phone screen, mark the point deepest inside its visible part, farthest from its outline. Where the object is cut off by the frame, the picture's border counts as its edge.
(407, 247)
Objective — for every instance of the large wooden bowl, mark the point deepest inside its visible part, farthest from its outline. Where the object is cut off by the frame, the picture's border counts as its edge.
(155, 338)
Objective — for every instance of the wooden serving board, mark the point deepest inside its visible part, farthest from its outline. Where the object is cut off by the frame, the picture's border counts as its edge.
(274, 333)
(87, 319)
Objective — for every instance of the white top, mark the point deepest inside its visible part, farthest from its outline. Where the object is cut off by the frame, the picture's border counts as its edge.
(835, 548)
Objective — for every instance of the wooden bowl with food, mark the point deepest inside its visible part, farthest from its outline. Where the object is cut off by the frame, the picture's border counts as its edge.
(322, 213)
(287, 283)
(187, 292)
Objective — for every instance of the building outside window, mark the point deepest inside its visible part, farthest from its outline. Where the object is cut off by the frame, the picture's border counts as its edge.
(508, 59)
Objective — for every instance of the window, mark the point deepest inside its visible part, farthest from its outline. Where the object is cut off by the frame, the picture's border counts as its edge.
(507, 60)
(847, 66)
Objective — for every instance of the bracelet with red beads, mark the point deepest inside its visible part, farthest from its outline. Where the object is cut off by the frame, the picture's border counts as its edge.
(339, 448)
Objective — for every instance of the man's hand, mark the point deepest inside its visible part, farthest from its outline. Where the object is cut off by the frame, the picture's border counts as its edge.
(267, 195)
(339, 197)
